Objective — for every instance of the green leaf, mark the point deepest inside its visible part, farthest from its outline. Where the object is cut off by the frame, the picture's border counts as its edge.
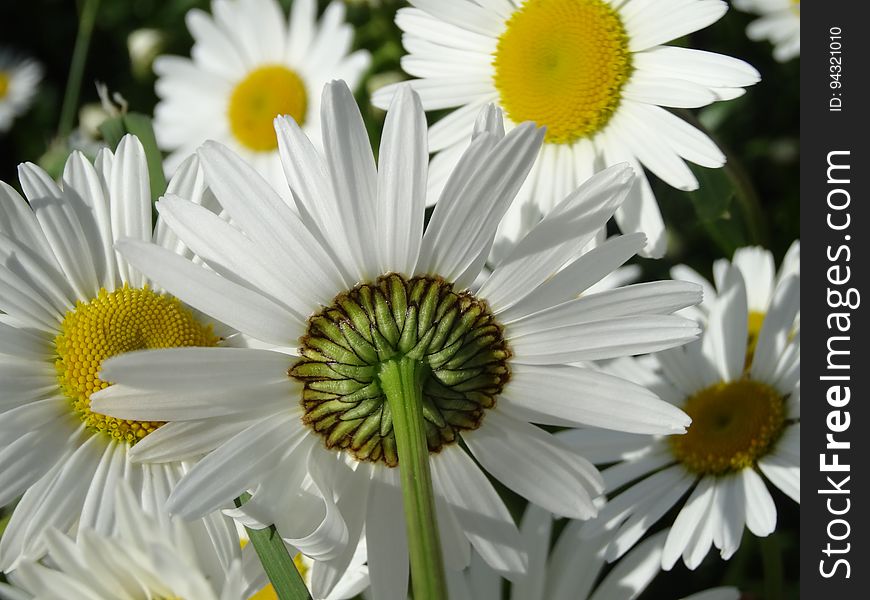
(715, 194)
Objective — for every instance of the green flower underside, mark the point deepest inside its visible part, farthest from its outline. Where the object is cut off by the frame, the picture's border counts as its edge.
(452, 334)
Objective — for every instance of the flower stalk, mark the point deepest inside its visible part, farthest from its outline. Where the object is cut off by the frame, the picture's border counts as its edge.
(277, 562)
(402, 382)
(77, 67)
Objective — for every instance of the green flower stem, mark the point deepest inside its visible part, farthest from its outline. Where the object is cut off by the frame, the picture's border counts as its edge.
(401, 382)
(277, 562)
(749, 202)
(77, 67)
(771, 560)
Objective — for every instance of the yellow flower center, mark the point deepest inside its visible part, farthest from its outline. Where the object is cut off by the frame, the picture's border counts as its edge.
(264, 94)
(113, 323)
(733, 425)
(562, 64)
(796, 7)
(4, 84)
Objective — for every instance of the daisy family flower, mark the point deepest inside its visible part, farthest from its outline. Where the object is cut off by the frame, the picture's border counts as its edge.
(780, 22)
(571, 571)
(19, 82)
(69, 301)
(745, 411)
(595, 73)
(151, 555)
(250, 64)
(345, 284)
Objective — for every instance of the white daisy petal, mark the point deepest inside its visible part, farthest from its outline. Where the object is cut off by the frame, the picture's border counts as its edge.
(704, 68)
(673, 484)
(633, 573)
(651, 23)
(189, 369)
(228, 251)
(508, 448)
(386, 540)
(401, 194)
(462, 14)
(258, 210)
(688, 523)
(760, 510)
(730, 500)
(578, 277)
(61, 228)
(555, 342)
(18, 222)
(479, 510)
(725, 341)
(226, 301)
(352, 167)
(231, 469)
(776, 328)
(86, 191)
(475, 222)
(543, 251)
(586, 397)
(130, 198)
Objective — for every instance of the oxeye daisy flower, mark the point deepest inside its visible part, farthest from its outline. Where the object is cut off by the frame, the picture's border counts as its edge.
(346, 283)
(745, 430)
(595, 73)
(572, 569)
(69, 301)
(779, 22)
(249, 64)
(150, 555)
(19, 82)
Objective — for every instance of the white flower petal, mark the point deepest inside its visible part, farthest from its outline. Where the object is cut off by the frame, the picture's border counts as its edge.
(775, 331)
(352, 169)
(401, 195)
(386, 541)
(558, 237)
(597, 340)
(586, 397)
(231, 469)
(692, 518)
(534, 464)
(479, 510)
(760, 509)
(237, 306)
(62, 229)
(725, 335)
(195, 369)
(465, 219)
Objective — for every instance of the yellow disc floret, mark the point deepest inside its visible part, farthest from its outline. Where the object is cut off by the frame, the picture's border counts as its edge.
(4, 84)
(115, 322)
(264, 94)
(562, 64)
(733, 425)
